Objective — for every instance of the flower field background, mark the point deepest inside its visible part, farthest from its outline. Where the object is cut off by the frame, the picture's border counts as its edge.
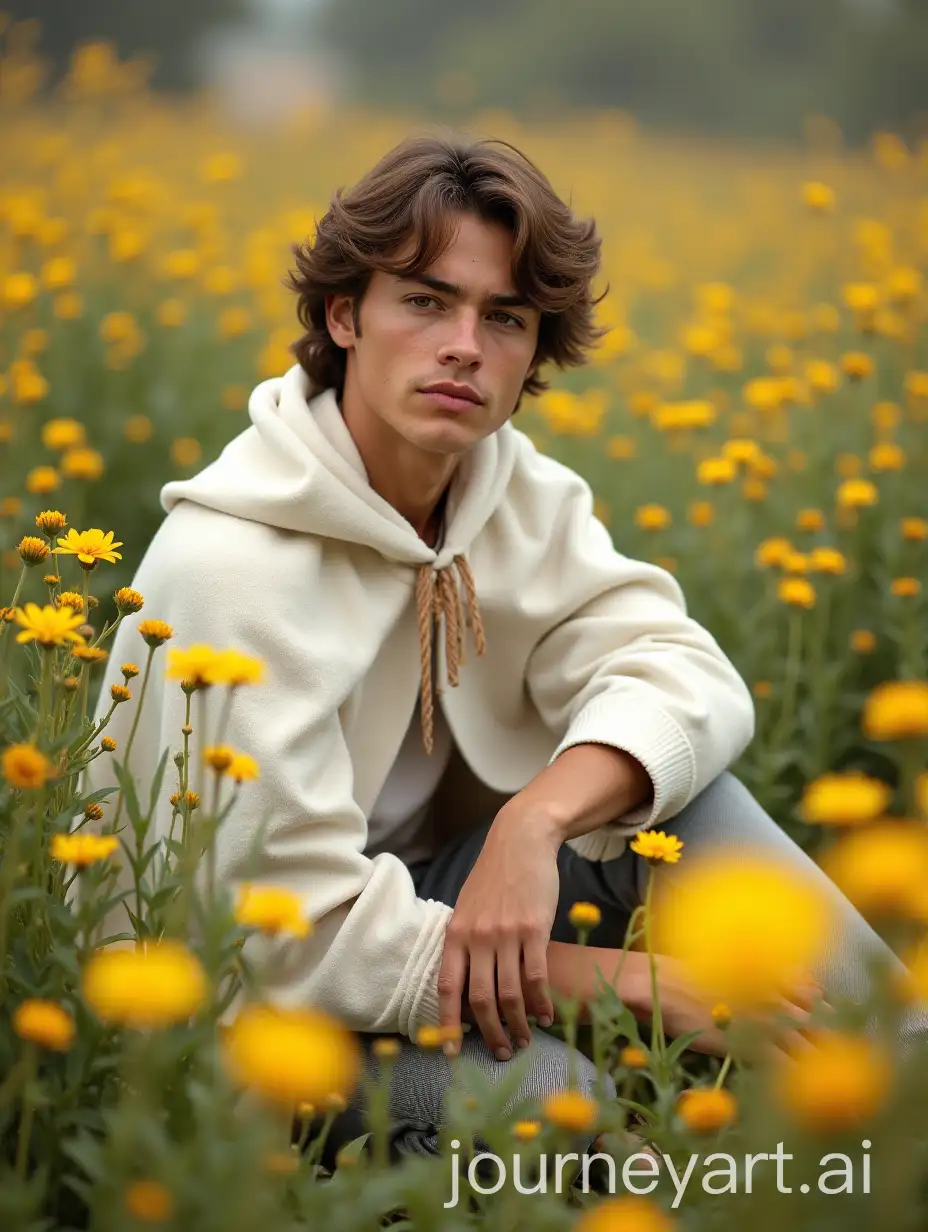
(756, 422)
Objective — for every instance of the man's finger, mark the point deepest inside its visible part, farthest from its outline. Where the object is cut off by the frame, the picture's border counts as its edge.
(481, 993)
(535, 980)
(509, 990)
(451, 978)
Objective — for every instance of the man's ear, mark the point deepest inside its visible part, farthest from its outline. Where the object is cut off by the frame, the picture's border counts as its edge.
(339, 319)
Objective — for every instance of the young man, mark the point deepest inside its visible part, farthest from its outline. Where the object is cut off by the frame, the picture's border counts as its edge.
(473, 699)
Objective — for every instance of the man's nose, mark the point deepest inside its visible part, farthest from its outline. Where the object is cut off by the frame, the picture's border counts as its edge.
(463, 341)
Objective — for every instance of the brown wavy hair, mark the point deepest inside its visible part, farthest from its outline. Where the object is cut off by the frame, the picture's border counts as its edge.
(416, 190)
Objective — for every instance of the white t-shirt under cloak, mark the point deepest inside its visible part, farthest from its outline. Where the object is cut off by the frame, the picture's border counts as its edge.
(399, 819)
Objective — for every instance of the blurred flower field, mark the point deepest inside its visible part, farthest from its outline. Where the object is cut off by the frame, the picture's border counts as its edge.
(756, 422)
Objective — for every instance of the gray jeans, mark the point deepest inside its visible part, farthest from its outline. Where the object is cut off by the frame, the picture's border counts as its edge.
(725, 815)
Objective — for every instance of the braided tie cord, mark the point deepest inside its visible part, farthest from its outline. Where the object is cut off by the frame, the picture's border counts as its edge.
(437, 595)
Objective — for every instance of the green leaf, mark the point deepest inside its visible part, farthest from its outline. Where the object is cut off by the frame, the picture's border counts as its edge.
(127, 783)
(680, 1045)
(156, 783)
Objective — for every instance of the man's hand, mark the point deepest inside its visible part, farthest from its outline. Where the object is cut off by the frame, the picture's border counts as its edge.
(683, 1011)
(496, 940)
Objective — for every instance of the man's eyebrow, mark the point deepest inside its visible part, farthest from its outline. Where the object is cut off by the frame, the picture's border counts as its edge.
(457, 292)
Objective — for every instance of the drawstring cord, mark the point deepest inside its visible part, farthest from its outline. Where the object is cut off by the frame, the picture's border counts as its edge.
(437, 595)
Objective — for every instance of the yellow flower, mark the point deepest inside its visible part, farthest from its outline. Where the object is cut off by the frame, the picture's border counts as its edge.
(148, 1202)
(571, 1110)
(857, 365)
(386, 1046)
(154, 632)
(32, 550)
(219, 757)
(291, 1056)
(621, 448)
(714, 471)
(863, 641)
(839, 1084)
(242, 768)
(883, 869)
(83, 849)
(62, 434)
(746, 928)
(633, 1057)
(818, 197)
(137, 429)
(844, 800)
(49, 625)
(584, 915)
(19, 289)
(657, 847)
(855, 493)
(905, 587)
(42, 479)
(155, 985)
(625, 1213)
(886, 456)
(721, 1015)
(90, 546)
(810, 519)
(772, 553)
(128, 600)
(827, 560)
(797, 592)
(897, 710)
(273, 911)
(705, 1110)
(701, 513)
(796, 562)
(45, 1023)
(193, 665)
(914, 529)
(51, 522)
(185, 451)
(525, 1131)
(232, 669)
(82, 464)
(652, 517)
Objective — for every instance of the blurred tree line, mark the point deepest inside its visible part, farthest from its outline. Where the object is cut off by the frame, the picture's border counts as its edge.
(738, 67)
(167, 31)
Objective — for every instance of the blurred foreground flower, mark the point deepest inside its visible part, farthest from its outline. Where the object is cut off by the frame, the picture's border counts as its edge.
(155, 985)
(272, 910)
(49, 626)
(747, 928)
(839, 1084)
(45, 1023)
(897, 710)
(883, 869)
(291, 1056)
(624, 1214)
(25, 766)
(844, 799)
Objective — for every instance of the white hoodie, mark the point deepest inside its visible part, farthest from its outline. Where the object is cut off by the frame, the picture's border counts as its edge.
(281, 549)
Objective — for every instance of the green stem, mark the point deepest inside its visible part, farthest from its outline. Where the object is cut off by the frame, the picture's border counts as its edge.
(723, 1072)
(25, 1125)
(135, 724)
(656, 1016)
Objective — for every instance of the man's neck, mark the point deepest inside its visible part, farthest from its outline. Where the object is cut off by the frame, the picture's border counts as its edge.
(394, 471)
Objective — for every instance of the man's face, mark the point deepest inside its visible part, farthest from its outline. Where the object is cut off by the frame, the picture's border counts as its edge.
(415, 333)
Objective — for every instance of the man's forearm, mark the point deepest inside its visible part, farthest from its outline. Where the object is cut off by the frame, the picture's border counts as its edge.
(572, 972)
(587, 786)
